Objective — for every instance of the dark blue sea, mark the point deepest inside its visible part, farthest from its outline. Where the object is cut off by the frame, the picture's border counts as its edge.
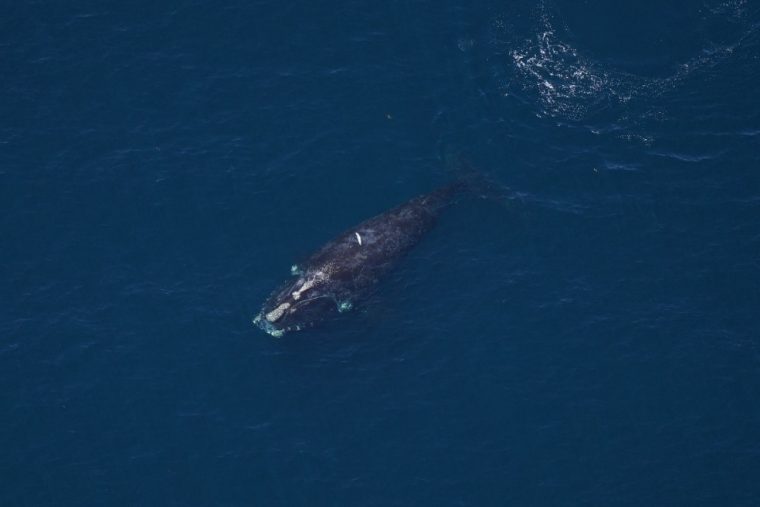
(593, 340)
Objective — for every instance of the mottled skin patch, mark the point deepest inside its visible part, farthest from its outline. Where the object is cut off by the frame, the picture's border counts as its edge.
(345, 269)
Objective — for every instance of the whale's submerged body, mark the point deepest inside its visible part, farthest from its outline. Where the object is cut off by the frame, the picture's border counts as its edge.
(343, 271)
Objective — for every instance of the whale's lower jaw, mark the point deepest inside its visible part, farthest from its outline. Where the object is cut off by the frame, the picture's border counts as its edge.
(267, 327)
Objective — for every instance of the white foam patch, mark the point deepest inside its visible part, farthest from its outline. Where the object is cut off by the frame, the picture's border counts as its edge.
(735, 9)
(567, 84)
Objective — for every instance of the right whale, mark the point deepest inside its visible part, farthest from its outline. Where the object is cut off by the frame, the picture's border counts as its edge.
(345, 269)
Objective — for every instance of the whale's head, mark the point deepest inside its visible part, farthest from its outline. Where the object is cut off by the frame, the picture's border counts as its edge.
(298, 305)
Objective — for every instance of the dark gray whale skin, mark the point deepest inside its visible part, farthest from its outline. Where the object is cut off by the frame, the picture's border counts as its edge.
(344, 271)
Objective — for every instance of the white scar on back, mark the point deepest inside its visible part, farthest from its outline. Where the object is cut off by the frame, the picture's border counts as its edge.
(358, 238)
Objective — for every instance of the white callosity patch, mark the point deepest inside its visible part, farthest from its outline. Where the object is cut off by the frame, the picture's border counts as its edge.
(358, 238)
(306, 286)
(276, 314)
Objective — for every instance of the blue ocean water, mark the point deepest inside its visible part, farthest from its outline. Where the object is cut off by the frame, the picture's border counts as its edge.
(595, 342)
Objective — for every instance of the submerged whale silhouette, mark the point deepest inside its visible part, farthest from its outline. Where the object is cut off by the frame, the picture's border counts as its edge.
(344, 270)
